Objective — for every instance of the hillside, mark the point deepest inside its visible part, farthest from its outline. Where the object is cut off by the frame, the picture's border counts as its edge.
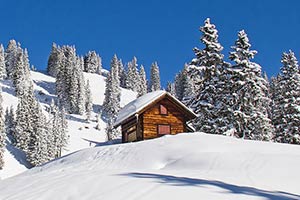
(81, 134)
(185, 166)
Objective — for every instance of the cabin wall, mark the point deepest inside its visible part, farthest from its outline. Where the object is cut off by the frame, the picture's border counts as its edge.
(152, 118)
(132, 130)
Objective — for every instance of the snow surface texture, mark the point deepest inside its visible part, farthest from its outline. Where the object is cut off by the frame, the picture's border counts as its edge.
(184, 166)
(81, 133)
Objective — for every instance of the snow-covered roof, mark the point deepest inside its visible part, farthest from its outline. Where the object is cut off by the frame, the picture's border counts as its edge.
(142, 102)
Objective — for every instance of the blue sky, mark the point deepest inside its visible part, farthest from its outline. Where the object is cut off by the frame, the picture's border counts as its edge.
(153, 30)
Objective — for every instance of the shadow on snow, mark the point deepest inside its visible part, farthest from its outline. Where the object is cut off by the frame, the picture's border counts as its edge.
(230, 188)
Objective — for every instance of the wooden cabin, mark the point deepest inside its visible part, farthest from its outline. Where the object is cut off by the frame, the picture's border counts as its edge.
(153, 115)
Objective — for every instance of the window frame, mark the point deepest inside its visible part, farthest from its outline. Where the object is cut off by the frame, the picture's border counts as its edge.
(158, 129)
(160, 110)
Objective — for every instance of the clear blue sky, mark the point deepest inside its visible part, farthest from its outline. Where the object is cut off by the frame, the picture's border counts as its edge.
(153, 30)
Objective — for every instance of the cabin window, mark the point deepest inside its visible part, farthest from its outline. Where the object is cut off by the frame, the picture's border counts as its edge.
(163, 129)
(163, 110)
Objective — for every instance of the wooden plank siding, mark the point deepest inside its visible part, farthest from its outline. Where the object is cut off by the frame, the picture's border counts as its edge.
(152, 118)
(165, 110)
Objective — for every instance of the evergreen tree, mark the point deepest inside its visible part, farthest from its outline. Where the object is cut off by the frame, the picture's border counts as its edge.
(286, 97)
(207, 67)
(38, 144)
(89, 101)
(154, 77)
(171, 88)
(63, 127)
(92, 62)
(81, 101)
(143, 82)
(122, 74)
(54, 60)
(2, 132)
(70, 81)
(249, 99)
(10, 57)
(111, 104)
(133, 78)
(10, 124)
(58, 131)
(23, 125)
(2, 63)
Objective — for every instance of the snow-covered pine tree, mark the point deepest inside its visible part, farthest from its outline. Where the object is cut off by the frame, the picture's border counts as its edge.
(61, 83)
(38, 152)
(111, 104)
(188, 88)
(133, 79)
(92, 62)
(249, 101)
(154, 77)
(62, 140)
(20, 73)
(73, 90)
(2, 132)
(89, 101)
(122, 74)
(178, 84)
(286, 97)
(81, 102)
(70, 81)
(171, 88)
(10, 124)
(54, 60)
(143, 82)
(206, 67)
(3, 73)
(23, 124)
(10, 56)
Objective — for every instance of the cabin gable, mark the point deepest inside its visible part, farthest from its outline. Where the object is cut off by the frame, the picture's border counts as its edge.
(155, 120)
(153, 115)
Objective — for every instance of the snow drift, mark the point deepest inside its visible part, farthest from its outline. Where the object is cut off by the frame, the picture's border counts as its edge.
(184, 166)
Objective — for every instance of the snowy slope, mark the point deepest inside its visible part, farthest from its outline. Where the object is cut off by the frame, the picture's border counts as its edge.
(185, 166)
(81, 134)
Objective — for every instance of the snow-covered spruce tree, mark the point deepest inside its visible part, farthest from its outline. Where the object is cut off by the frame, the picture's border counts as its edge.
(286, 97)
(23, 124)
(249, 101)
(20, 73)
(207, 67)
(62, 139)
(3, 73)
(89, 101)
(111, 104)
(38, 146)
(92, 62)
(10, 56)
(154, 77)
(54, 60)
(58, 131)
(143, 82)
(122, 74)
(133, 78)
(70, 81)
(74, 75)
(171, 88)
(2, 132)
(81, 101)
(10, 124)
